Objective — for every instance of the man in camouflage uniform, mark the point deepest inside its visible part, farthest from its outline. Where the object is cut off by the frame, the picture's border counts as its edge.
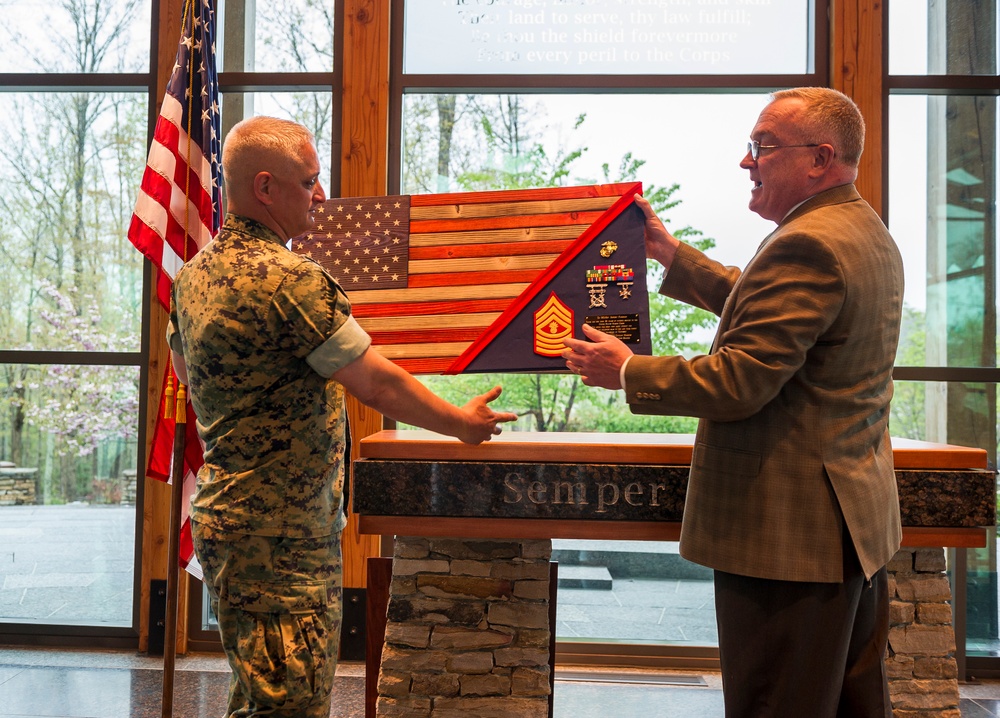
(266, 341)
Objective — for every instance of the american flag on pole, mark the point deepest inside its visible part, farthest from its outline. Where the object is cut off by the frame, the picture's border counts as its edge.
(434, 279)
(178, 208)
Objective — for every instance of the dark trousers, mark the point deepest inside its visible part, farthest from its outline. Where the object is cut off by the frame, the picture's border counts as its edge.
(793, 649)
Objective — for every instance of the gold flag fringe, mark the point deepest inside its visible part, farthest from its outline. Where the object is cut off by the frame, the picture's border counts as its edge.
(181, 411)
(168, 405)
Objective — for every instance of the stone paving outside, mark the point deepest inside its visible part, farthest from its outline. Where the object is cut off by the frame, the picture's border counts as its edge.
(73, 564)
(70, 564)
(678, 611)
(636, 607)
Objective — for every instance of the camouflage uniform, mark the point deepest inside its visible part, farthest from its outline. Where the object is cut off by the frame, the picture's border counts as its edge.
(261, 330)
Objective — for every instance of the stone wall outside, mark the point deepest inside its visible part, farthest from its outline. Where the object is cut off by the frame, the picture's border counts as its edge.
(17, 486)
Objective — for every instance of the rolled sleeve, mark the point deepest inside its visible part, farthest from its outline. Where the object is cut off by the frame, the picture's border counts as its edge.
(348, 343)
(311, 319)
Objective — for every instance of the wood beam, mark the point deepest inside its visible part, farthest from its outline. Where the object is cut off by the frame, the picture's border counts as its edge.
(857, 69)
(363, 172)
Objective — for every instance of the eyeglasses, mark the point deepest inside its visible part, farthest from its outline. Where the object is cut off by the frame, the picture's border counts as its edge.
(754, 147)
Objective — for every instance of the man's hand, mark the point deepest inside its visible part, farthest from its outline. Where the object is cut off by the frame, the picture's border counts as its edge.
(380, 384)
(599, 361)
(660, 244)
(482, 423)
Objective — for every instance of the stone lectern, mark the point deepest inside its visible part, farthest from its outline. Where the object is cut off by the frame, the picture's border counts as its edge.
(468, 624)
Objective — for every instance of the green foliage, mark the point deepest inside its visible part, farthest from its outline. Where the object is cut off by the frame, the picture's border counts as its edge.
(908, 411)
(515, 158)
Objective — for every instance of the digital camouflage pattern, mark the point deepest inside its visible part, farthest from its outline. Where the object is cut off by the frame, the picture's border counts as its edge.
(246, 313)
(261, 330)
(278, 602)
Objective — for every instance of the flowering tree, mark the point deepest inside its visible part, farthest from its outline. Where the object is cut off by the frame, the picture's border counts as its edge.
(81, 408)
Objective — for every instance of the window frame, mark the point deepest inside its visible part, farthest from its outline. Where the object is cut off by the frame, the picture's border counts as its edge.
(96, 635)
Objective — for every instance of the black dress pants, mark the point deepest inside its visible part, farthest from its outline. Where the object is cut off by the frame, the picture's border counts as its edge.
(794, 650)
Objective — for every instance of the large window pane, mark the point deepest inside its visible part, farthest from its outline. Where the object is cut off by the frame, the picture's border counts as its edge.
(943, 179)
(81, 36)
(69, 431)
(942, 212)
(67, 493)
(633, 591)
(70, 166)
(943, 37)
(288, 36)
(607, 37)
(70, 281)
(68, 564)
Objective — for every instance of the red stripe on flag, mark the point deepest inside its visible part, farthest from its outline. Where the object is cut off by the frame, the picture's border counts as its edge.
(520, 195)
(148, 241)
(426, 336)
(408, 309)
(186, 546)
(426, 226)
(424, 366)
(511, 249)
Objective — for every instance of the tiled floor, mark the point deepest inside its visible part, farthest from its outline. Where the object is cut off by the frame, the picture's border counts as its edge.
(109, 684)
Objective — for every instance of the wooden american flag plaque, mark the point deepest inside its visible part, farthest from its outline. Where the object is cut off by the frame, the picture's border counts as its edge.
(487, 281)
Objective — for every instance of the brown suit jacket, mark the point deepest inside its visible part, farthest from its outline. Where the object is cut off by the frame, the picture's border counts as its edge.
(793, 399)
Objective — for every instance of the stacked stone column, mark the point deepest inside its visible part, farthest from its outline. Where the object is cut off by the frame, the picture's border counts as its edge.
(468, 630)
(923, 672)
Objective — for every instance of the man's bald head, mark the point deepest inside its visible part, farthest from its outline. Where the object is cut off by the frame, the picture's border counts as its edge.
(259, 144)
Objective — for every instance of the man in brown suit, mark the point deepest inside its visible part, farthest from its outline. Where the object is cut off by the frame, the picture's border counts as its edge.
(792, 496)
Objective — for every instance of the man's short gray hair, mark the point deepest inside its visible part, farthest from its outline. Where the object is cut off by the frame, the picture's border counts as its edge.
(256, 143)
(830, 117)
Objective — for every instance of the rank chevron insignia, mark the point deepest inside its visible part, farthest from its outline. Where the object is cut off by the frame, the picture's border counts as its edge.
(553, 323)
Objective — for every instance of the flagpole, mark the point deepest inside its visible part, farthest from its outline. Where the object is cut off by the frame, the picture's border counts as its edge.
(173, 553)
(183, 162)
(180, 433)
